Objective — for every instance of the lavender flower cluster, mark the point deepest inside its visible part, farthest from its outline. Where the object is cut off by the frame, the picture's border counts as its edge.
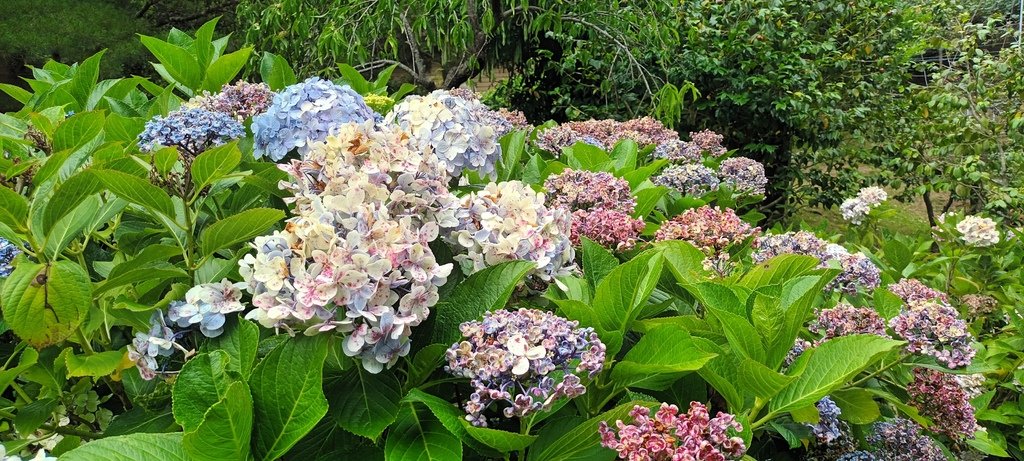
(355, 256)
(688, 178)
(912, 291)
(148, 346)
(901, 440)
(844, 319)
(712, 230)
(855, 209)
(241, 100)
(671, 436)
(8, 251)
(303, 114)
(601, 205)
(205, 305)
(192, 131)
(701, 143)
(829, 427)
(503, 120)
(744, 175)
(451, 128)
(933, 328)
(508, 221)
(940, 396)
(605, 134)
(857, 270)
(799, 347)
(977, 231)
(526, 358)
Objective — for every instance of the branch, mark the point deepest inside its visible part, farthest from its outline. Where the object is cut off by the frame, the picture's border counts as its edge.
(417, 60)
(420, 80)
(462, 72)
(145, 8)
(219, 8)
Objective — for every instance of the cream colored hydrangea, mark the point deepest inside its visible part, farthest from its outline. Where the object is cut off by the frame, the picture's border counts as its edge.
(977, 231)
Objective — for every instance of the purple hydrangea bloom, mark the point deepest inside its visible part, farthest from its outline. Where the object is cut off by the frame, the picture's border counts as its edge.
(678, 151)
(857, 270)
(859, 455)
(586, 190)
(901, 440)
(844, 319)
(192, 131)
(799, 346)
(744, 175)
(8, 252)
(688, 179)
(934, 328)
(829, 427)
(305, 113)
(912, 290)
(241, 100)
(206, 305)
(147, 346)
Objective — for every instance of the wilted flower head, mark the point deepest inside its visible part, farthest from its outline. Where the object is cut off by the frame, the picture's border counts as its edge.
(526, 358)
(709, 142)
(855, 209)
(586, 190)
(355, 258)
(844, 319)
(743, 175)
(799, 347)
(901, 440)
(829, 427)
(670, 436)
(859, 455)
(206, 305)
(688, 179)
(710, 229)
(452, 129)
(508, 221)
(241, 100)
(805, 243)
(858, 272)
(977, 231)
(940, 397)
(912, 290)
(678, 151)
(8, 251)
(979, 305)
(192, 131)
(608, 228)
(604, 134)
(934, 328)
(303, 114)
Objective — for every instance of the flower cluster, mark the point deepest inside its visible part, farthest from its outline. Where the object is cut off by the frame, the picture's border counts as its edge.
(688, 179)
(855, 209)
(940, 397)
(452, 129)
(977, 231)
(526, 358)
(678, 151)
(8, 251)
(829, 427)
(146, 347)
(608, 228)
(671, 436)
(303, 114)
(508, 221)
(934, 328)
(241, 100)
(977, 305)
(206, 305)
(605, 134)
(355, 256)
(912, 291)
(743, 175)
(503, 120)
(192, 131)
(709, 142)
(857, 270)
(799, 347)
(799, 243)
(710, 229)
(601, 205)
(378, 102)
(844, 319)
(901, 440)
(859, 455)
(40, 456)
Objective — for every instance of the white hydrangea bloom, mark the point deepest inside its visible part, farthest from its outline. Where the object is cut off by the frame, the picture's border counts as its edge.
(977, 231)
(855, 209)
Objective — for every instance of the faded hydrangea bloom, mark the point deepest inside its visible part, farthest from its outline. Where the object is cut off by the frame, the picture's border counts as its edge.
(146, 347)
(712, 230)
(901, 440)
(844, 319)
(940, 397)
(604, 134)
(709, 142)
(805, 243)
(912, 290)
(678, 151)
(192, 131)
(608, 228)
(452, 129)
(241, 100)
(586, 190)
(528, 359)
(206, 305)
(859, 455)
(503, 120)
(355, 258)
(671, 436)
(973, 384)
(858, 272)
(979, 305)
(855, 209)
(508, 221)
(304, 114)
(934, 328)
(829, 427)
(8, 251)
(688, 179)
(977, 231)
(798, 349)
(744, 175)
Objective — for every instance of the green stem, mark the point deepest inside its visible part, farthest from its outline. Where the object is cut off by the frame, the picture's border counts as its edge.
(85, 341)
(58, 429)
(21, 392)
(761, 422)
(881, 370)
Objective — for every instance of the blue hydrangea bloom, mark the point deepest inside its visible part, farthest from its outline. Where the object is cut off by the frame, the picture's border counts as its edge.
(305, 113)
(8, 251)
(829, 427)
(211, 322)
(192, 131)
(857, 456)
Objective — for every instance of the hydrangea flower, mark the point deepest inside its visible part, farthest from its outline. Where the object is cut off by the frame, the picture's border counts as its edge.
(526, 358)
(8, 251)
(586, 190)
(979, 305)
(711, 229)
(844, 319)
(829, 427)
(973, 384)
(799, 347)
(901, 440)
(934, 328)
(859, 455)
(688, 179)
(378, 102)
(799, 243)
(355, 258)
(509, 221)
(192, 131)
(206, 305)
(858, 272)
(604, 134)
(940, 397)
(452, 129)
(159, 341)
(608, 228)
(744, 175)
(670, 436)
(977, 231)
(709, 142)
(678, 151)
(912, 290)
(241, 100)
(503, 120)
(855, 209)
(303, 114)
(40, 456)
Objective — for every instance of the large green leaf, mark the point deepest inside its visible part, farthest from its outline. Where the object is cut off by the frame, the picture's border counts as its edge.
(137, 190)
(68, 196)
(225, 68)
(70, 226)
(483, 291)
(13, 208)
(858, 406)
(365, 403)
(647, 199)
(226, 428)
(77, 131)
(597, 261)
(240, 343)
(833, 363)
(214, 164)
(684, 260)
(178, 62)
(513, 146)
(624, 155)
(625, 289)
(662, 356)
(275, 71)
(452, 418)
(133, 447)
(44, 304)
(85, 78)
(778, 270)
(419, 436)
(503, 441)
(202, 382)
(287, 390)
(98, 364)
(238, 228)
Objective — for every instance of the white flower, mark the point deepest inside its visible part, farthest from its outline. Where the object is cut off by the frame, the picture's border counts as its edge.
(977, 231)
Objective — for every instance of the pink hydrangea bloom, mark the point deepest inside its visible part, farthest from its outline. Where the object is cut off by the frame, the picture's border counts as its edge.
(671, 436)
(940, 397)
